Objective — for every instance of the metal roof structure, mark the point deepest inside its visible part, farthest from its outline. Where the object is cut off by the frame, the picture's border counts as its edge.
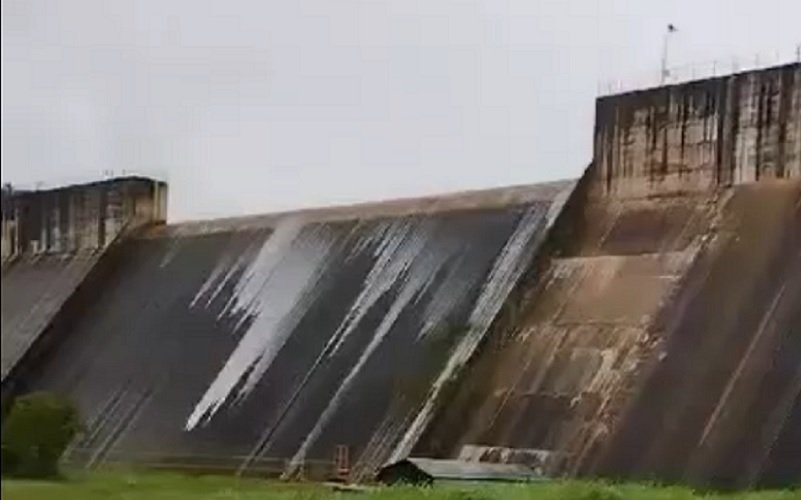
(417, 470)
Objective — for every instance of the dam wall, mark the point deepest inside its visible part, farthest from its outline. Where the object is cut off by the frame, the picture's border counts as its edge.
(77, 218)
(52, 239)
(639, 323)
(698, 136)
(265, 344)
(661, 340)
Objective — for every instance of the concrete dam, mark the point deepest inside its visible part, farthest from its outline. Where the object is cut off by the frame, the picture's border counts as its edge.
(642, 322)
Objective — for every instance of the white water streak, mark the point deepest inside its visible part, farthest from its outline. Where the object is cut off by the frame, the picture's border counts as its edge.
(274, 293)
(451, 291)
(399, 244)
(219, 276)
(420, 267)
(506, 271)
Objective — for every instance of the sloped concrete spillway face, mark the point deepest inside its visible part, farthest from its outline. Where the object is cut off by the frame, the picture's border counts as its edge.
(34, 288)
(722, 403)
(661, 340)
(234, 346)
(52, 240)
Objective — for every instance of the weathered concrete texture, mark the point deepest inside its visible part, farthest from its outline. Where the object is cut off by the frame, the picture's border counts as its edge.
(649, 361)
(81, 217)
(699, 135)
(51, 241)
(719, 403)
(648, 328)
(283, 337)
(548, 380)
(34, 288)
(660, 338)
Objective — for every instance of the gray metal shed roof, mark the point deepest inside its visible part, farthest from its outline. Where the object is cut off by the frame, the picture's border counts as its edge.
(473, 471)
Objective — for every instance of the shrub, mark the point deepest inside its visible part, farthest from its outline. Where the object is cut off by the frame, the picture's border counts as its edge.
(35, 433)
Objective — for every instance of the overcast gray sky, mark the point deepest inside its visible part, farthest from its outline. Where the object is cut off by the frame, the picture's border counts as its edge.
(252, 106)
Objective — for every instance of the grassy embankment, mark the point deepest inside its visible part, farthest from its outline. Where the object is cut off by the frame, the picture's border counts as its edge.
(162, 486)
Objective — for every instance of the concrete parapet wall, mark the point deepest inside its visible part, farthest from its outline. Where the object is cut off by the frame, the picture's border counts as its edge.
(699, 135)
(81, 217)
(52, 240)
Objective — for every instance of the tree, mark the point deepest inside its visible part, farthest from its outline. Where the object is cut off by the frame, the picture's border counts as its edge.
(37, 429)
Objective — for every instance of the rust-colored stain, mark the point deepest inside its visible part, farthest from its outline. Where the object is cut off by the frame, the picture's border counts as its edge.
(722, 395)
(661, 339)
(700, 135)
(651, 364)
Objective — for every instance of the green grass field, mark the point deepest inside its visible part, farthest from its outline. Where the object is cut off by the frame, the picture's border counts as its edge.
(163, 486)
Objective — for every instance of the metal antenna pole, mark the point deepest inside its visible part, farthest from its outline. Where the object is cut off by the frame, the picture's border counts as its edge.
(664, 72)
(665, 43)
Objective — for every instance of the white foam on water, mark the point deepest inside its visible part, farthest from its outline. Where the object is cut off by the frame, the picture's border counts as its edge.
(507, 269)
(273, 294)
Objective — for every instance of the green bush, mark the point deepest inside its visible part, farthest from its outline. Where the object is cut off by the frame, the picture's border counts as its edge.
(35, 433)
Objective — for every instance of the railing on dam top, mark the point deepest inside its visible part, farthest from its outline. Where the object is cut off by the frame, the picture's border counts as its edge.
(698, 71)
(62, 180)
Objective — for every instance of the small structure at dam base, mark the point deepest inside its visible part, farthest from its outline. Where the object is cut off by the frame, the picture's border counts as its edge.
(428, 471)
